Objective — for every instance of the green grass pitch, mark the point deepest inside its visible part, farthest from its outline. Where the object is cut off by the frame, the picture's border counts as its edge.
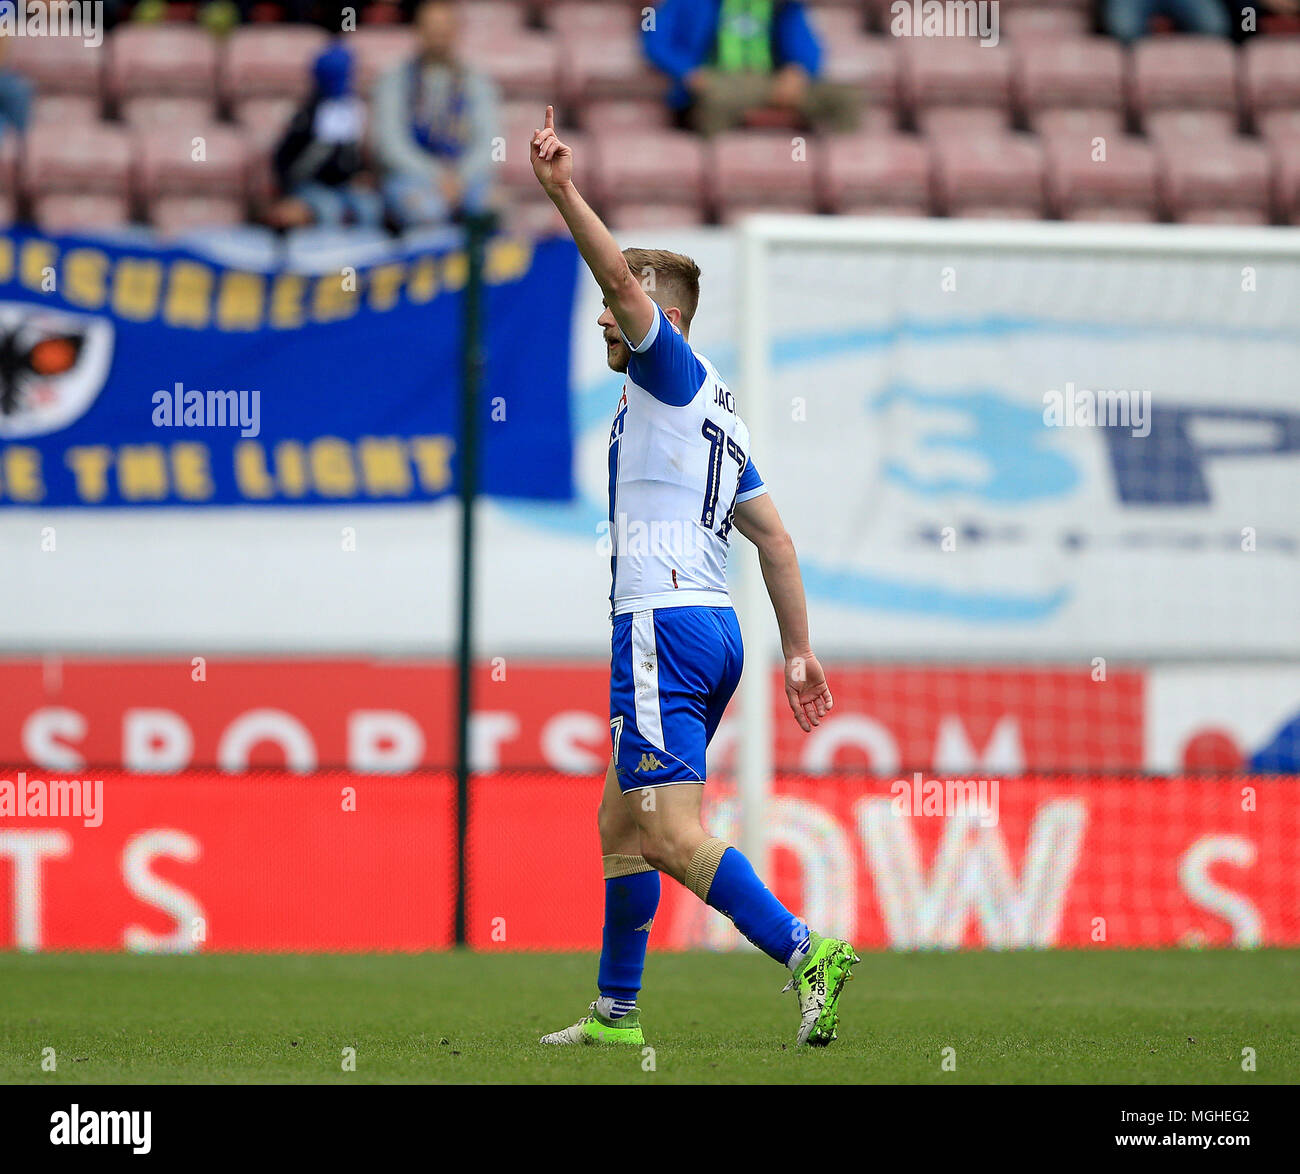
(1104, 1016)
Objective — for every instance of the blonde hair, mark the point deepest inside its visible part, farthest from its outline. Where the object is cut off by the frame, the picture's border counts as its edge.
(676, 279)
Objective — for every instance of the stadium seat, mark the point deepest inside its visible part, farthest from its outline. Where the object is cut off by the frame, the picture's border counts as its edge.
(950, 73)
(377, 49)
(1022, 25)
(165, 110)
(988, 176)
(1087, 73)
(80, 212)
(1122, 186)
(1203, 125)
(752, 169)
(666, 167)
(651, 217)
(878, 120)
(834, 23)
(882, 174)
(1244, 217)
(597, 67)
(962, 121)
(535, 216)
(172, 215)
(1079, 124)
(1229, 183)
(1115, 216)
(871, 66)
(264, 119)
(486, 19)
(57, 65)
(627, 118)
(1280, 126)
(735, 213)
(270, 61)
(1270, 76)
(61, 109)
(523, 65)
(83, 158)
(161, 59)
(978, 211)
(165, 163)
(518, 120)
(1183, 72)
(568, 18)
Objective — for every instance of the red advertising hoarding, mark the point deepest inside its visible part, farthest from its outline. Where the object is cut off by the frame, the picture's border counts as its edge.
(335, 861)
(211, 862)
(160, 717)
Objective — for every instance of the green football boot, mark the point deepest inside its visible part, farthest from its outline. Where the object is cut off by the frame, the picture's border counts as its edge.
(818, 984)
(595, 1030)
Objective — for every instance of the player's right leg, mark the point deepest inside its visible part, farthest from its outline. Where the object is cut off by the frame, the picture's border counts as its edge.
(674, 840)
(685, 683)
(631, 899)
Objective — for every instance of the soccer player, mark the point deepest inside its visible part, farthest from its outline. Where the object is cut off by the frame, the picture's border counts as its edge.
(680, 479)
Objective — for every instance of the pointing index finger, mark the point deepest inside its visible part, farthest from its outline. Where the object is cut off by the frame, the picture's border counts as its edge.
(550, 118)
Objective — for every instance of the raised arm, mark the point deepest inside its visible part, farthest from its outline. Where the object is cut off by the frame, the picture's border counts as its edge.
(805, 682)
(553, 166)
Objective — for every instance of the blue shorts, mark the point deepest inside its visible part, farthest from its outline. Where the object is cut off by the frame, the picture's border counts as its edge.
(672, 671)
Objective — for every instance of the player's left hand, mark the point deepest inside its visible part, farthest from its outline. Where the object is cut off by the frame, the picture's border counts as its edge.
(552, 160)
(806, 690)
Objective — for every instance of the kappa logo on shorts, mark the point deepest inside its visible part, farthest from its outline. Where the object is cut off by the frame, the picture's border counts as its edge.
(649, 762)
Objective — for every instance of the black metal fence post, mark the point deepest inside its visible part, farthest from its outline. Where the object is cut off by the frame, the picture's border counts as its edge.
(478, 229)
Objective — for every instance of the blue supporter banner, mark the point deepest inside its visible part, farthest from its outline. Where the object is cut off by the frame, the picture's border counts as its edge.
(141, 376)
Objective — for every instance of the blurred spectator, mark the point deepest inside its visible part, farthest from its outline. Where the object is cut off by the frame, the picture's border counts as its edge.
(319, 162)
(15, 95)
(435, 120)
(217, 16)
(728, 58)
(1128, 19)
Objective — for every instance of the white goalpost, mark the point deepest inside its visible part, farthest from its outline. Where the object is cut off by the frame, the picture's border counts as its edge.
(1146, 285)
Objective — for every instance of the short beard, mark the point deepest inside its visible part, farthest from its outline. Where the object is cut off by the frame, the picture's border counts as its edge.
(619, 359)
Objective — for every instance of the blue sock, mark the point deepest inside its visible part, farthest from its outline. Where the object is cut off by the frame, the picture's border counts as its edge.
(739, 894)
(630, 904)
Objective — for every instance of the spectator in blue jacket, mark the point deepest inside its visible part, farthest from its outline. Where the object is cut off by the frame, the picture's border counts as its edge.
(728, 58)
(1128, 19)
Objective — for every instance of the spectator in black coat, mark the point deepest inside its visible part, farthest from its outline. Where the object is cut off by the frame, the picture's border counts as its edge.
(320, 161)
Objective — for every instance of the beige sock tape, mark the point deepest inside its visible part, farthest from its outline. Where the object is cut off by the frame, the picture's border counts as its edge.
(624, 865)
(704, 866)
